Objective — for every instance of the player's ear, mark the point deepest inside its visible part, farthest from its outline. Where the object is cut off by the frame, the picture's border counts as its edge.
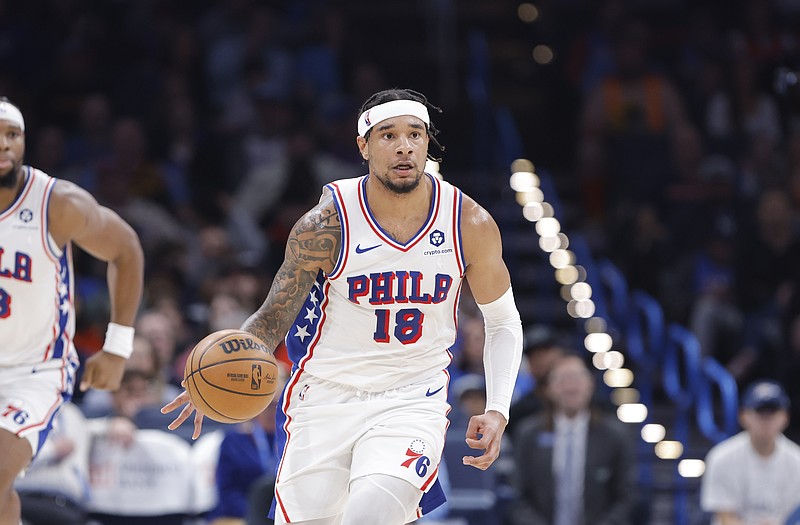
(363, 147)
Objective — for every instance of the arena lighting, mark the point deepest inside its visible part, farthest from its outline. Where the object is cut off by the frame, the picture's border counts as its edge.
(577, 295)
(543, 54)
(653, 432)
(549, 244)
(599, 360)
(597, 342)
(533, 211)
(613, 360)
(584, 308)
(669, 449)
(622, 396)
(524, 180)
(691, 468)
(529, 195)
(632, 413)
(527, 12)
(548, 227)
(560, 258)
(618, 377)
(432, 167)
(581, 291)
(567, 275)
(580, 309)
(595, 325)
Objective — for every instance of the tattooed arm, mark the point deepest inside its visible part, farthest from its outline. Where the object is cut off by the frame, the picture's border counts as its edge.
(312, 246)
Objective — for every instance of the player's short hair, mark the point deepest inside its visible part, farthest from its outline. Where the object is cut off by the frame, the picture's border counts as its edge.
(387, 95)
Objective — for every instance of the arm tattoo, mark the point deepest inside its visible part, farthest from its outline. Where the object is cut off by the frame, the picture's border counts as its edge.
(313, 246)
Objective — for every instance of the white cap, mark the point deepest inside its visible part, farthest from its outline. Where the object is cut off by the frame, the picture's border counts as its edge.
(10, 112)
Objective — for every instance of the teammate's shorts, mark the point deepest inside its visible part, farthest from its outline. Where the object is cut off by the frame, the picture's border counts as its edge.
(30, 396)
(333, 434)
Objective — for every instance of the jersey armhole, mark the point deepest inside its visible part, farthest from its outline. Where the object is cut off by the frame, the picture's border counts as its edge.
(344, 245)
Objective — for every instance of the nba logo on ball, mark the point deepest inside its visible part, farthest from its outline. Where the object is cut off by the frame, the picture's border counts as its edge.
(231, 376)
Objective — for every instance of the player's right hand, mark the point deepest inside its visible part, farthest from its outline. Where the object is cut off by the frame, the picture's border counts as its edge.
(182, 398)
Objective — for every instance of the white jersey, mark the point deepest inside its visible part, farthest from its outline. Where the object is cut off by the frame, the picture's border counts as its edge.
(385, 316)
(37, 319)
(758, 489)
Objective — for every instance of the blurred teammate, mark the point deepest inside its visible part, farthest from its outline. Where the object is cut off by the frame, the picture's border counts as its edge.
(40, 218)
(366, 299)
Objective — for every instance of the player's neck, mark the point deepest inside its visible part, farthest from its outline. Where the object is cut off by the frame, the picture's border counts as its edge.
(400, 214)
(382, 199)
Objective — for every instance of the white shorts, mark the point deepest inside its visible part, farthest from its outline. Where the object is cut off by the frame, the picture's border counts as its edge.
(30, 396)
(335, 434)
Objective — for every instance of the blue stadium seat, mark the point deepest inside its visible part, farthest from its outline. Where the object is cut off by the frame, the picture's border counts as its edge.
(715, 377)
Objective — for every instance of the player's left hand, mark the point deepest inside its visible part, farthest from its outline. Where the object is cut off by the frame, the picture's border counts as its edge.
(484, 432)
(103, 371)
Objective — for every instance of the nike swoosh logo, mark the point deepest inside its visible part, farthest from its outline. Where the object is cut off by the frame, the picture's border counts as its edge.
(429, 393)
(359, 249)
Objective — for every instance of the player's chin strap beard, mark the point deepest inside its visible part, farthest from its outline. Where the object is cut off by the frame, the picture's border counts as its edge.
(9, 180)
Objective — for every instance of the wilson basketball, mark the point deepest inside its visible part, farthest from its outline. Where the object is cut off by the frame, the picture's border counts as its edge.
(231, 376)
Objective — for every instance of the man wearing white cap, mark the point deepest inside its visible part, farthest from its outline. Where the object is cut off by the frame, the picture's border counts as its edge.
(366, 300)
(40, 219)
(753, 478)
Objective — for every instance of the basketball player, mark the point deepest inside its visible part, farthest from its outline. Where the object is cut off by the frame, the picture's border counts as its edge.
(40, 217)
(366, 300)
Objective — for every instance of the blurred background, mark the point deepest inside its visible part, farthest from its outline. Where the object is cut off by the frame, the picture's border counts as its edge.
(656, 229)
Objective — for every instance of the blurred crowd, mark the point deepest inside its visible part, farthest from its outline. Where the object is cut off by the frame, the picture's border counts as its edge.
(686, 170)
(211, 126)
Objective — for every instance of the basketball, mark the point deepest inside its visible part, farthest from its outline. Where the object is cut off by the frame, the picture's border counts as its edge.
(231, 376)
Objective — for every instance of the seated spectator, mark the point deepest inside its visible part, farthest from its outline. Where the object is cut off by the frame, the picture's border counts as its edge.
(144, 359)
(541, 350)
(54, 489)
(469, 399)
(573, 464)
(754, 476)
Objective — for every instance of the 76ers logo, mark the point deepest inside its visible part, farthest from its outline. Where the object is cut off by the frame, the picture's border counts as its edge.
(414, 453)
(17, 414)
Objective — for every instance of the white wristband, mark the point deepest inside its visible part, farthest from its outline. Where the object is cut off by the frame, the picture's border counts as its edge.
(119, 340)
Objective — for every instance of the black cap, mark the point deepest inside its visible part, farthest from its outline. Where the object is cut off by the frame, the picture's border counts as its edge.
(538, 337)
(765, 395)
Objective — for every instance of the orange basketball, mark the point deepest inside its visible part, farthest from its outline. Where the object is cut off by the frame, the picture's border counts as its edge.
(231, 376)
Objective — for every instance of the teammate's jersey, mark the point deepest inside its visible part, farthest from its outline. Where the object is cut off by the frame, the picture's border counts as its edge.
(385, 316)
(37, 319)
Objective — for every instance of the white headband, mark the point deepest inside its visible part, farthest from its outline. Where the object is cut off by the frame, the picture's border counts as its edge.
(394, 108)
(9, 111)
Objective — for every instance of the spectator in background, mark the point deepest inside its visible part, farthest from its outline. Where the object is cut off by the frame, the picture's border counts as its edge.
(626, 127)
(468, 358)
(573, 465)
(163, 335)
(469, 399)
(540, 349)
(753, 478)
(54, 488)
(97, 403)
(767, 257)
